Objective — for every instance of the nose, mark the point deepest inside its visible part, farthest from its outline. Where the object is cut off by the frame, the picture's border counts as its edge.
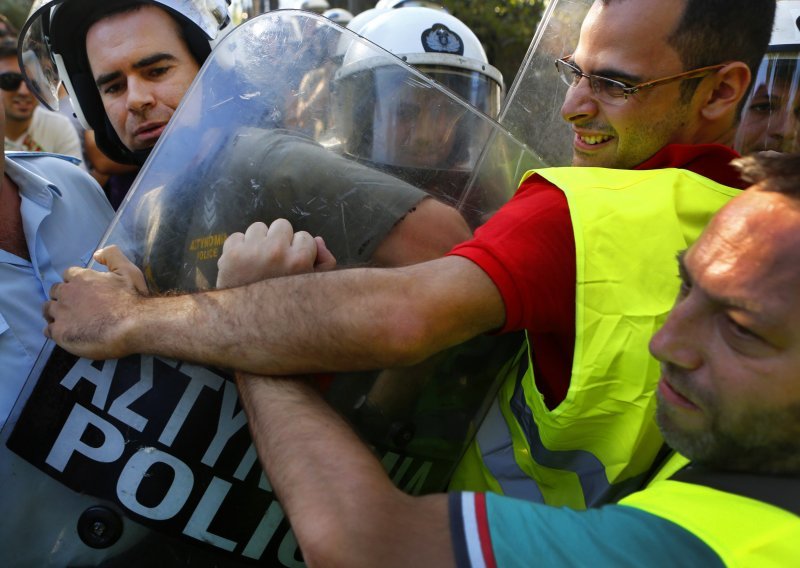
(579, 102)
(140, 95)
(679, 339)
(23, 89)
(784, 128)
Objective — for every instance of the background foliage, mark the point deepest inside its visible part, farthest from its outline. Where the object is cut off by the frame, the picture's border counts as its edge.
(505, 28)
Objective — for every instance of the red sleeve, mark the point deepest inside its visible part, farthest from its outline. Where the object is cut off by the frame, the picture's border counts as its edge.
(528, 250)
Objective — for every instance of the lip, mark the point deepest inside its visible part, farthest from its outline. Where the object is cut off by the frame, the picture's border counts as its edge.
(581, 144)
(672, 396)
(149, 131)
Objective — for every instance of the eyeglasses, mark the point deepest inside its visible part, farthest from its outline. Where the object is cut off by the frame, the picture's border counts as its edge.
(10, 80)
(616, 92)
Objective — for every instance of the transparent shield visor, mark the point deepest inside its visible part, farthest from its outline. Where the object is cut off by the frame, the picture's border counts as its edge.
(771, 116)
(479, 90)
(35, 59)
(167, 447)
(392, 118)
(38, 61)
(532, 109)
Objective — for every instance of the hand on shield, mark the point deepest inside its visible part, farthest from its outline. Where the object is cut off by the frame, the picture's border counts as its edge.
(264, 252)
(85, 311)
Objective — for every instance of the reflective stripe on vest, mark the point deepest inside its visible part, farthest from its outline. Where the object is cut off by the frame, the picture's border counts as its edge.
(602, 439)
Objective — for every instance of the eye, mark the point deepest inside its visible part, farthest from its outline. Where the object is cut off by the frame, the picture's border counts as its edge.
(741, 330)
(156, 72)
(112, 88)
(761, 107)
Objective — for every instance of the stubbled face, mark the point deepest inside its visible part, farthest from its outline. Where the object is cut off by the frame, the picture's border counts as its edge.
(19, 104)
(142, 68)
(729, 394)
(627, 41)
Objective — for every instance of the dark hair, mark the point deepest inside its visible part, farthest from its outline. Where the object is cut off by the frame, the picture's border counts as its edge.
(717, 31)
(8, 48)
(772, 171)
(197, 43)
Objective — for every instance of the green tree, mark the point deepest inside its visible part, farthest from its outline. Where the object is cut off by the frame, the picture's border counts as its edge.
(15, 10)
(504, 28)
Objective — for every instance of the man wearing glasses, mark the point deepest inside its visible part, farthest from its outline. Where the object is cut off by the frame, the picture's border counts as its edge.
(29, 127)
(582, 259)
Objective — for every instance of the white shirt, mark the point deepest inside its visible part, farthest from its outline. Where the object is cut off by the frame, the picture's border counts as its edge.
(49, 132)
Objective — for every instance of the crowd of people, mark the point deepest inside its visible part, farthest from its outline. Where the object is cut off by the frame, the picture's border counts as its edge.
(650, 415)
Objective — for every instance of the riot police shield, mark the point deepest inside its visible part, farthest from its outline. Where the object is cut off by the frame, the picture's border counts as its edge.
(771, 115)
(532, 109)
(142, 459)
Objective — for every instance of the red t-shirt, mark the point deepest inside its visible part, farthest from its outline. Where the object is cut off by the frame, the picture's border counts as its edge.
(527, 248)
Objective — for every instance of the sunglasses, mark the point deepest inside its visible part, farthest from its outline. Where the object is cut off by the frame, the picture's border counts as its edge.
(10, 80)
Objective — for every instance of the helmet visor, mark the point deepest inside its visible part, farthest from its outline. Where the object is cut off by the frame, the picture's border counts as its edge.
(38, 60)
(476, 88)
(403, 124)
(771, 115)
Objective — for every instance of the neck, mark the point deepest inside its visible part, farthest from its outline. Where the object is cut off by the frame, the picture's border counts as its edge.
(12, 235)
(16, 128)
(717, 132)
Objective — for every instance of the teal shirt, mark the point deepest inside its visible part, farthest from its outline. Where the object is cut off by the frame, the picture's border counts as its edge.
(494, 530)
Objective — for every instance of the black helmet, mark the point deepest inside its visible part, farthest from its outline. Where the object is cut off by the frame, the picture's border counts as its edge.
(52, 50)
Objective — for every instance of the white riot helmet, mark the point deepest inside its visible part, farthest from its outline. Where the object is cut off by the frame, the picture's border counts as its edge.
(384, 118)
(52, 50)
(338, 16)
(438, 44)
(363, 18)
(771, 115)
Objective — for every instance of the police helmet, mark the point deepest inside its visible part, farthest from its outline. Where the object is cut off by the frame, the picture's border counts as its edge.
(771, 115)
(52, 50)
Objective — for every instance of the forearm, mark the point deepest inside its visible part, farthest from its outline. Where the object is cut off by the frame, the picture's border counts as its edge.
(346, 320)
(340, 502)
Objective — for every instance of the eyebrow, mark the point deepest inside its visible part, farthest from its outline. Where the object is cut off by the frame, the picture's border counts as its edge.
(144, 62)
(726, 302)
(610, 73)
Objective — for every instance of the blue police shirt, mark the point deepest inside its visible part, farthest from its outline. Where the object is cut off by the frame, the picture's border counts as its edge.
(64, 215)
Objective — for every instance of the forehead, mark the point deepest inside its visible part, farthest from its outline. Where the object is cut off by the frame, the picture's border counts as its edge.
(129, 36)
(630, 36)
(751, 251)
(9, 64)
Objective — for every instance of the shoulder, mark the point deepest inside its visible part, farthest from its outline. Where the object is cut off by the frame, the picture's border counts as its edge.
(513, 530)
(45, 164)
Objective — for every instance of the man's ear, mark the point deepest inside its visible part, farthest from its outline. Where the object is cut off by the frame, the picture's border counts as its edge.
(726, 89)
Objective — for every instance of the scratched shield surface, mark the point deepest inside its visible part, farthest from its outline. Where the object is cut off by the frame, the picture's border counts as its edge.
(144, 459)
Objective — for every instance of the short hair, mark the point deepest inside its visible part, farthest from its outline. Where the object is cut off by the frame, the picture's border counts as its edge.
(715, 31)
(8, 48)
(710, 32)
(196, 43)
(772, 171)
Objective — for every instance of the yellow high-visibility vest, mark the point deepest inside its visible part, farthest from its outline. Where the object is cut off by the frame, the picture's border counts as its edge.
(599, 443)
(742, 531)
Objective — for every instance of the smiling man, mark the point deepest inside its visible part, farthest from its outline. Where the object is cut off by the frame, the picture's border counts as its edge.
(29, 127)
(580, 258)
